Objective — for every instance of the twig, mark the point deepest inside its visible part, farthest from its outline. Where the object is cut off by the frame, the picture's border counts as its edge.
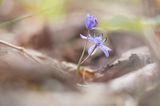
(128, 62)
(24, 51)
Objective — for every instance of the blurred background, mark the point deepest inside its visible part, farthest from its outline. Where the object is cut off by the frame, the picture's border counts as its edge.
(52, 27)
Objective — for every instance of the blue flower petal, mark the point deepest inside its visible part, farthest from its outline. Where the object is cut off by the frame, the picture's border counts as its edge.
(98, 40)
(99, 37)
(98, 43)
(91, 38)
(105, 50)
(92, 50)
(90, 22)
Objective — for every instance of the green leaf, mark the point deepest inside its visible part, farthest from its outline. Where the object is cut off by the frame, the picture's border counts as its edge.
(122, 23)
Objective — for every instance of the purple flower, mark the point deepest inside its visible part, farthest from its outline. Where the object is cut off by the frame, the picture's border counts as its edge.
(90, 22)
(98, 44)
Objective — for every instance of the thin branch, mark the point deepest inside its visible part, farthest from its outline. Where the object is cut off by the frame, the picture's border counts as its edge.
(24, 51)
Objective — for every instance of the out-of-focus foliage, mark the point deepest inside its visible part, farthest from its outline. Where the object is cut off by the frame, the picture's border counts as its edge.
(122, 23)
(126, 24)
(50, 9)
(1, 1)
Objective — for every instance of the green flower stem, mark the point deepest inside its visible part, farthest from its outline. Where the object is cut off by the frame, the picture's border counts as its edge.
(80, 59)
(88, 55)
(83, 52)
